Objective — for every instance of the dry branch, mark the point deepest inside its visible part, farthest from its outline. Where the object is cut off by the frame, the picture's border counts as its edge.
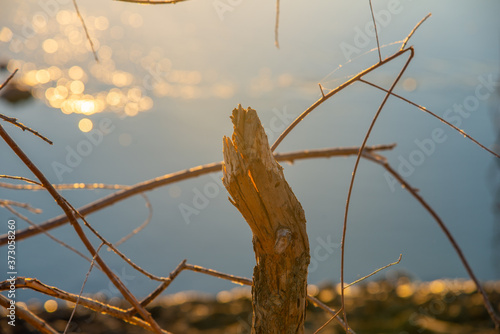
(91, 304)
(258, 188)
(176, 177)
(70, 213)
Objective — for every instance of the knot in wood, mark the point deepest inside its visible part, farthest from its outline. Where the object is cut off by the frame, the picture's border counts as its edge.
(283, 238)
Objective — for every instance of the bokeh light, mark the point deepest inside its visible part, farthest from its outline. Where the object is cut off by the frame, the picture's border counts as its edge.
(85, 125)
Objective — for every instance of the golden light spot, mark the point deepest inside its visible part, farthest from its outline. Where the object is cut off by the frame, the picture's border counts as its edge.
(326, 295)
(121, 79)
(410, 84)
(312, 289)
(39, 22)
(30, 78)
(42, 76)
(105, 53)
(54, 72)
(131, 109)
(373, 288)
(66, 107)
(5, 35)
(135, 20)
(404, 290)
(101, 23)
(60, 92)
(75, 37)
(56, 103)
(224, 297)
(75, 73)
(85, 125)
(77, 87)
(50, 45)
(50, 306)
(64, 17)
(145, 103)
(437, 286)
(86, 106)
(134, 94)
(49, 93)
(113, 98)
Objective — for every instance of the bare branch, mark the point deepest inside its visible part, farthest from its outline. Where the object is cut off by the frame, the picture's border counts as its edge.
(86, 31)
(139, 228)
(373, 273)
(462, 132)
(13, 120)
(351, 185)
(60, 242)
(2, 85)
(277, 24)
(413, 31)
(92, 304)
(26, 206)
(376, 32)
(383, 162)
(180, 176)
(69, 213)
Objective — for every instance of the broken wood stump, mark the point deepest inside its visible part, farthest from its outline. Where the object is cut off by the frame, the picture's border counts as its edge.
(258, 189)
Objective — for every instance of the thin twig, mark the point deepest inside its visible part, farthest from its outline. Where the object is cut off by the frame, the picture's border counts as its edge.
(72, 186)
(69, 213)
(413, 31)
(376, 32)
(332, 93)
(114, 249)
(462, 132)
(81, 290)
(91, 304)
(383, 162)
(60, 242)
(21, 179)
(23, 127)
(277, 24)
(376, 271)
(2, 85)
(146, 301)
(13, 120)
(344, 85)
(86, 31)
(26, 206)
(329, 320)
(139, 228)
(176, 177)
(351, 185)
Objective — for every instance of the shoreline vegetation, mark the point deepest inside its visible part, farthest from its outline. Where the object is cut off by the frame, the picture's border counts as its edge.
(392, 305)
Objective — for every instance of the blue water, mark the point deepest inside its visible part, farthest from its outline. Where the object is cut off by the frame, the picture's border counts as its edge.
(456, 46)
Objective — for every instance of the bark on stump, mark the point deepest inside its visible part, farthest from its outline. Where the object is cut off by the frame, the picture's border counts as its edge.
(260, 192)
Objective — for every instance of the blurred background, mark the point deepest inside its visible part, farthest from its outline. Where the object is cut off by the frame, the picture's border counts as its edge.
(159, 99)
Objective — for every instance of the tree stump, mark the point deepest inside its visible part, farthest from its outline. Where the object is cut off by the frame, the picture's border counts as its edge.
(258, 188)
